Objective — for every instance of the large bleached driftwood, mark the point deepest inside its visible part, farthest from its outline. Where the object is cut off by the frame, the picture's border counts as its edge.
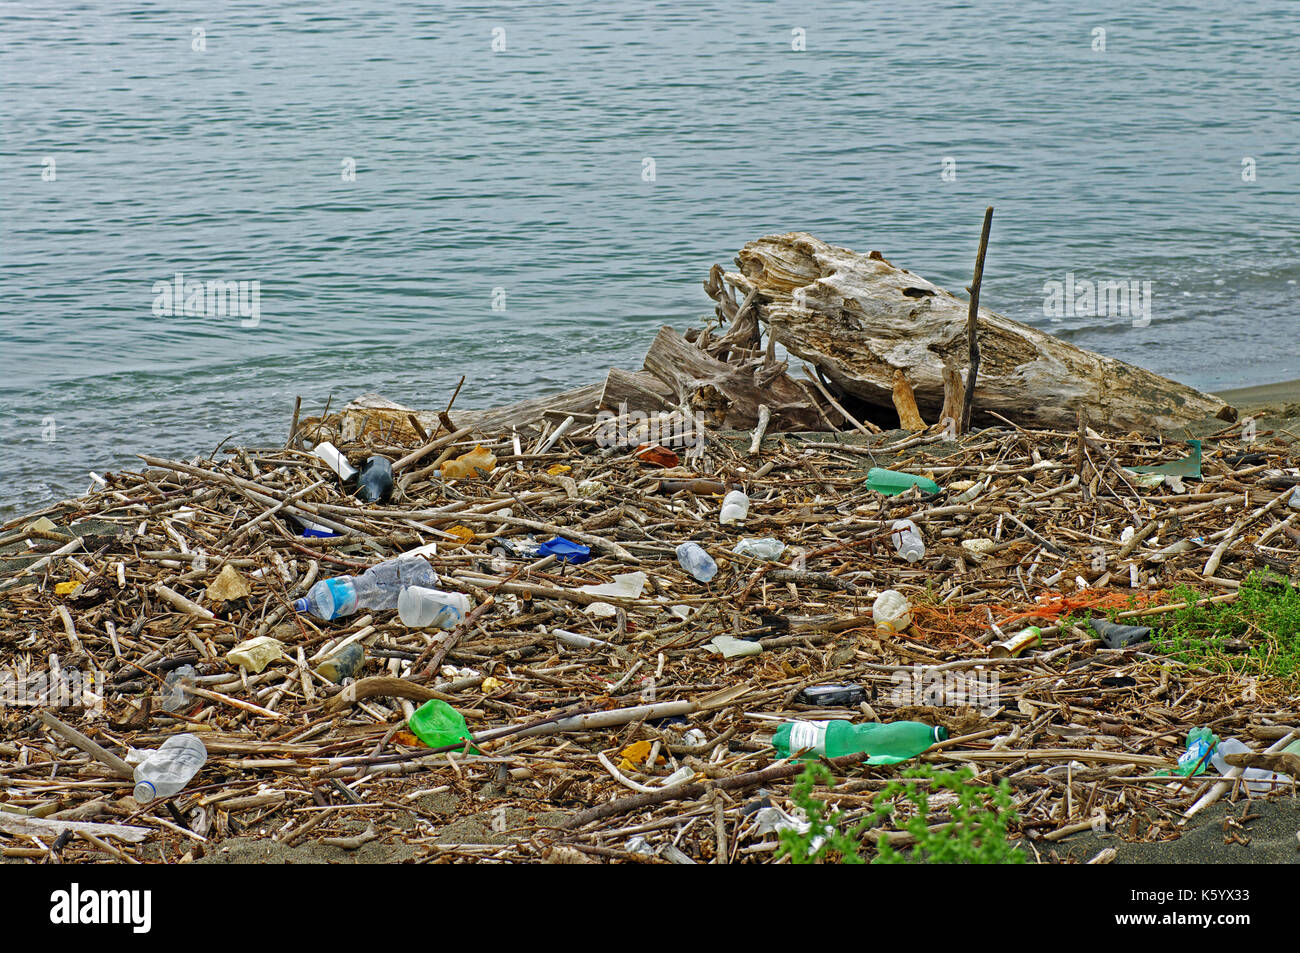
(860, 319)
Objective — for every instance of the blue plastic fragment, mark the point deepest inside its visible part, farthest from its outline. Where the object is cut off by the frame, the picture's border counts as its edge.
(566, 551)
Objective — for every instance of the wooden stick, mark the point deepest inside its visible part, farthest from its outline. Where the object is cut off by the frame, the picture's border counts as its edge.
(114, 763)
(972, 323)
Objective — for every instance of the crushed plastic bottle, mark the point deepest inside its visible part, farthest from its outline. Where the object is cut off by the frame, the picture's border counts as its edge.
(1200, 743)
(376, 588)
(166, 771)
(175, 696)
(907, 540)
(891, 612)
(422, 608)
(766, 547)
(343, 664)
(1257, 781)
(693, 558)
(735, 507)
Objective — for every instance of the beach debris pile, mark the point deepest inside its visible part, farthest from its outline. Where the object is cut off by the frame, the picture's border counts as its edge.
(588, 693)
(620, 623)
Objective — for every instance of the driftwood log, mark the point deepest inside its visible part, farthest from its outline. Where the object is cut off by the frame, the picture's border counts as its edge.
(860, 319)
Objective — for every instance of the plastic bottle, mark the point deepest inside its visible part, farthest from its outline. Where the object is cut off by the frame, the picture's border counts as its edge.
(1258, 782)
(1200, 742)
(693, 558)
(882, 743)
(170, 768)
(375, 481)
(735, 507)
(891, 612)
(174, 694)
(768, 547)
(376, 588)
(892, 482)
(907, 540)
(1293, 500)
(343, 664)
(421, 608)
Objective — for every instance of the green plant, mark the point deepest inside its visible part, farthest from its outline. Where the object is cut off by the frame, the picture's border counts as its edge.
(976, 834)
(1265, 616)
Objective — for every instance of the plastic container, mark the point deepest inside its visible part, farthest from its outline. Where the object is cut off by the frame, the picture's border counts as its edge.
(375, 481)
(437, 724)
(892, 482)
(828, 696)
(166, 771)
(376, 588)
(175, 696)
(735, 507)
(882, 743)
(693, 558)
(1013, 646)
(343, 664)
(422, 608)
(256, 654)
(891, 612)
(768, 547)
(335, 460)
(1200, 742)
(907, 540)
(1257, 781)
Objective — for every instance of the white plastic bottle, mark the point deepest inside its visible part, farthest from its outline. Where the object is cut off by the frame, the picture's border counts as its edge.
(420, 608)
(735, 507)
(166, 771)
(891, 612)
(1258, 782)
(907, 540)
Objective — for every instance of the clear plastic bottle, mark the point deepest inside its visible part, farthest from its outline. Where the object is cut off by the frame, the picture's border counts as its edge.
(768, 547)
(693, 558)
(735, 507)
(907, 540)
(422, 608)
(166, 771)
(376, 588)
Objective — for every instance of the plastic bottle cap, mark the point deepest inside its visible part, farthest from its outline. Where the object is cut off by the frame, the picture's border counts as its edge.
(144, 791)
(300, 605)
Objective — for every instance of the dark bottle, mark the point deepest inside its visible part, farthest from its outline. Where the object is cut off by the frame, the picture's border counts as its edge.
(375, 481)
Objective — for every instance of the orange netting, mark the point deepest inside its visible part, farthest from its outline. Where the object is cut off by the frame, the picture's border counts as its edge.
(959, 622)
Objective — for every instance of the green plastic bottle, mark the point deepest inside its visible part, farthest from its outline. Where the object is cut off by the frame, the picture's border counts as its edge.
(883, 743)
(437, 724)
(892, 482)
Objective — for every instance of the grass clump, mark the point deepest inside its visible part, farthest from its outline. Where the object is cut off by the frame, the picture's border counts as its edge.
(1258, 634)
(976, 833)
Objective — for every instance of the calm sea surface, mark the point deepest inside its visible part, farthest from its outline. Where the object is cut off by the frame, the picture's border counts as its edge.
(525, 173)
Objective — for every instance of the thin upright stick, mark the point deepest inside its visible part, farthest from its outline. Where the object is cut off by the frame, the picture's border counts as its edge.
(972, 322)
